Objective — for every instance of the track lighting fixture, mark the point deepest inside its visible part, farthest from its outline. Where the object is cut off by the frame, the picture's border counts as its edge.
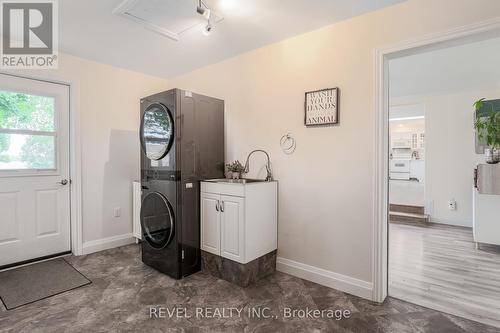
(203, 10)
(207, 29)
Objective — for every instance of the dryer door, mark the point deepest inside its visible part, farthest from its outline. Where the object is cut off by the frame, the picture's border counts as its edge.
(157, 131)
(157, 220)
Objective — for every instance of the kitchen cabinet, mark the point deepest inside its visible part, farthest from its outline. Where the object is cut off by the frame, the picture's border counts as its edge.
(413, 140)
(399, 169)
(417, 170)
(485, 203)
(239, 221)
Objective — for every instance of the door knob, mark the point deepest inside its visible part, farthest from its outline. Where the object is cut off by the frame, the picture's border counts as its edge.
(63, 182)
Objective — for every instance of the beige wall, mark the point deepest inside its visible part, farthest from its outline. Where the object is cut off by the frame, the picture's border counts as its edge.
(107, 100)
(451, 155)
(325, 199)
(109, 111)
(449, 152)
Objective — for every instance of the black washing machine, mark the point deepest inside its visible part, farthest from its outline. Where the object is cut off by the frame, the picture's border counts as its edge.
(182, 141)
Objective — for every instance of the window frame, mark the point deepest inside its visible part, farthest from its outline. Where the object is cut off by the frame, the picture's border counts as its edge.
(55, 134)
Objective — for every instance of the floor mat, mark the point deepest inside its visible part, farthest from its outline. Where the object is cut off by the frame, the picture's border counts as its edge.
(28, 284)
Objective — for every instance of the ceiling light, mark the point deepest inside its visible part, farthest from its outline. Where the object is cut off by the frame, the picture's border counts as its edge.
(235, 8)
(207, 13)
(407, 118)
(207, 29)
(203, 10)
(227, 4)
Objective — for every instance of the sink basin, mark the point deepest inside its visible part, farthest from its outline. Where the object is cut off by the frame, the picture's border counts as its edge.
(236, 181)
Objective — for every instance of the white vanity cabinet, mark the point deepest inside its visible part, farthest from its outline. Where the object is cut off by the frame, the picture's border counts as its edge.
(239, 221)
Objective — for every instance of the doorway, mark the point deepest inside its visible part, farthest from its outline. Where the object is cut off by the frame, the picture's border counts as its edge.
(406, 161)
(433, 259)
(35, 194)
(460, 36)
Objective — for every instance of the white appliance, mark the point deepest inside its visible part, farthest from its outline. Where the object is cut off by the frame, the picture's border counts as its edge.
(486, 203)
(401, 143)
(399, 169)
(136, 210)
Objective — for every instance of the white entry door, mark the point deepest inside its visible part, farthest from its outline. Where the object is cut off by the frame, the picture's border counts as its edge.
(34, 169)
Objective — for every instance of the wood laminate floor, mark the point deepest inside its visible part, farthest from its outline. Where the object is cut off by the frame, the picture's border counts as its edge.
(438, 266)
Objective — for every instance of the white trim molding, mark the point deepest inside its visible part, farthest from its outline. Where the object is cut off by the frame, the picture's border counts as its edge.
(76, 170)
(457, 36)
(330, 279)
(107, 243)
(380, 178)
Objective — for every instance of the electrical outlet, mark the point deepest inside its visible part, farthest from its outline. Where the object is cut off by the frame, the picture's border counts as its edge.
(452, 204)
(117, 212)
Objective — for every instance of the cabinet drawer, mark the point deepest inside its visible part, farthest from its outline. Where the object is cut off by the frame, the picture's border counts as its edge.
(224, 189)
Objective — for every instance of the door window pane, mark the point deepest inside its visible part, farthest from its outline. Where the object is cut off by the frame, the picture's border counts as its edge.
(26, 112)
(21, 151)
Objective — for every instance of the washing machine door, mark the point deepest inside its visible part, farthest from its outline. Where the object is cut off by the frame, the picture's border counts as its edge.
(157, 131)
(157, 220)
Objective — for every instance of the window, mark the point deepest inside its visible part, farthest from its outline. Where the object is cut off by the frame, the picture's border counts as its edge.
(422, 140)
(414, 138)
(27, 132)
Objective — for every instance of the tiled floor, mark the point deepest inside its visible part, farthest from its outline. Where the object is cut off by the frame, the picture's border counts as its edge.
(439, 266)
(124, 290)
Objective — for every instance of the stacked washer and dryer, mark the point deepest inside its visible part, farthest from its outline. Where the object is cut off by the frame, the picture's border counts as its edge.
(182, 141)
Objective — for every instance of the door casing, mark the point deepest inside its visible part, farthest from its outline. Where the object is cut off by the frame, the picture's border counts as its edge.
(475, 32)
(75, 153)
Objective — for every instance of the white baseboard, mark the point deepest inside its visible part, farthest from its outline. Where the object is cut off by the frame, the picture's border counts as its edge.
(107, 243)
(330, 279)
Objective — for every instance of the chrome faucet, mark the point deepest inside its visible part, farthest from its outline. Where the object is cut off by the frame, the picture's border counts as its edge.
(269, 176)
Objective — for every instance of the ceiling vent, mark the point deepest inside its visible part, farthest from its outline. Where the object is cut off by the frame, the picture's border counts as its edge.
(170, 18)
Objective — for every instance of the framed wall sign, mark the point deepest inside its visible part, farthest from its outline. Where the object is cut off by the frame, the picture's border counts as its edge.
(322, 107)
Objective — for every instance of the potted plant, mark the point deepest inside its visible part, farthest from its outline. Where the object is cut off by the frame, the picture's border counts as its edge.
(488, 129)
(236, 169)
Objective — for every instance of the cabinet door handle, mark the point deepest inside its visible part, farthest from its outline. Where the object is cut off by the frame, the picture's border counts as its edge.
(217, 205)
(222, 207)
(194, 158)
(475, 179)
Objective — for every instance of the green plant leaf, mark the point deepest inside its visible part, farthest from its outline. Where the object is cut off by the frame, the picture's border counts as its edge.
(478, 104)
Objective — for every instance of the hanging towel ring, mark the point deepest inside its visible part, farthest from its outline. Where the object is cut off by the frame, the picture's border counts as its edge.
(288, 144)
